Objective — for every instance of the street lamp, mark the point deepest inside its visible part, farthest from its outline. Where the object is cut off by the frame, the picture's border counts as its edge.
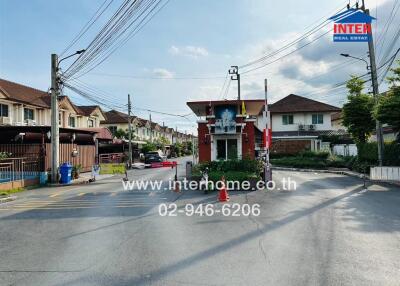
(360, 59)
(76, 53)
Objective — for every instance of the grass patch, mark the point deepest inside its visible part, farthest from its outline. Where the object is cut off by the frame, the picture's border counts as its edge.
(12, 191)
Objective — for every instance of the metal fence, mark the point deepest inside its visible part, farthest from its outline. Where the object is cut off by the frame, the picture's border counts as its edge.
(385, 173)
(111, 158)
(16, 169)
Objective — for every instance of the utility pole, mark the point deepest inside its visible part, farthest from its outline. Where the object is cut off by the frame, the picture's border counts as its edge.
(55, 139)
(194, 157)
(234, 72)
(186, 142)
(151, 131)
(375, 89)
(130, 130)
(55, 134)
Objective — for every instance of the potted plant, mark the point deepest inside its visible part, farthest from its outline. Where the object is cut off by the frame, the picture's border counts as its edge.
(76, 170)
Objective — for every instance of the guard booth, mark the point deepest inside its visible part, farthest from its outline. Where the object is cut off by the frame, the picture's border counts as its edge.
(227, 128)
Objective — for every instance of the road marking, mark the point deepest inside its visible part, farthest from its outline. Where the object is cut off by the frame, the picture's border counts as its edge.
(74, 207)
(113, 194)
(81, 194)
(54, 195)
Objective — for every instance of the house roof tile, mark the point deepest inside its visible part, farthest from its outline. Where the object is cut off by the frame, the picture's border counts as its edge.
(295, 103)
(24, 94)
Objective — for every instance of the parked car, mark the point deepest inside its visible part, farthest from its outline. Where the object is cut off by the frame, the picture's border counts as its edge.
(158, 152)
(153, 158)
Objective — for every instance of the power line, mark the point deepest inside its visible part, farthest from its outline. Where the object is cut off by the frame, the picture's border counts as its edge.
(87, 26)
(102, 101)
(116, 31)
(292, 43)
(288, 54)
(157, 77)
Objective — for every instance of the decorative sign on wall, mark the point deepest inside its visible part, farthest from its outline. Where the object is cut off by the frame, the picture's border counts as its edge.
(225, 119)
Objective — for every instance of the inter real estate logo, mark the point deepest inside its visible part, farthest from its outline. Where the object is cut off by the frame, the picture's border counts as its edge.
(352, 25)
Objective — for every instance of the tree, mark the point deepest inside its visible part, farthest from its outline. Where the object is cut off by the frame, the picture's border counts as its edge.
(120, 134)
(388, 108)
(357, 112)
(149, 146)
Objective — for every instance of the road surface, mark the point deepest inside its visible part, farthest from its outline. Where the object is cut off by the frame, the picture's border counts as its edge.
(329, 231)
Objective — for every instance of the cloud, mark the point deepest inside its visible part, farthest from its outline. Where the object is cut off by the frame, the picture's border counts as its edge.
(314, 69)
(252, 86)
(188, 51)
(163, 73)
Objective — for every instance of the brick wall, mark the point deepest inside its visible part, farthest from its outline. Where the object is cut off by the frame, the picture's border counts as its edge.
(290, 146)
(248, 140)
(204, 142)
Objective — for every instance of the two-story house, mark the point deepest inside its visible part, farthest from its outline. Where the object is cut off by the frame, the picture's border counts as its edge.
(297, 122)
(21, 105)
(115, 120)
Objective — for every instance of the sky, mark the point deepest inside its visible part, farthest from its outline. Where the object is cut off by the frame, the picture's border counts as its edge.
(184, 52)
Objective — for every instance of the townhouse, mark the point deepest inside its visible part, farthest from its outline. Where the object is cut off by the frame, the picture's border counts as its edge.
(143, 129)
(21, 105)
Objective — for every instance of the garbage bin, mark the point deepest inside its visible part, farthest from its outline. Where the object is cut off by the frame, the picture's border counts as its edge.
(189, 165)
(66, 173)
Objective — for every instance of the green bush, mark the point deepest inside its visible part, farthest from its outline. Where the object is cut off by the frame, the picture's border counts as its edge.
(299, 162)
(312, 154)
(245, 165)
(240, 176)
(336, 161)
(368, 153)
(148, 147)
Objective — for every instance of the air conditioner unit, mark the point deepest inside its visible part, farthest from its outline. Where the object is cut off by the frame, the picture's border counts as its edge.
(311, 127)
(30, 122)
(5, 120)
(301, 127)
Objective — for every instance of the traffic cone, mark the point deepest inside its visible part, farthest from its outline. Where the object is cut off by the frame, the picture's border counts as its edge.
(223, 193)
(176, 187)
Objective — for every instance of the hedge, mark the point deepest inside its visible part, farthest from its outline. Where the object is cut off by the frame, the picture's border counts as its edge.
(368, 153)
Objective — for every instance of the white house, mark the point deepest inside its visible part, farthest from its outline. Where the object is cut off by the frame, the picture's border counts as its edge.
(297, 122)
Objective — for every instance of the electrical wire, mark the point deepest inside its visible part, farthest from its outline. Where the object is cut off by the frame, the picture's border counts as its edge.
(129, 18)
(158, 78)
(294, 42)
(87, 26)
(288, 54)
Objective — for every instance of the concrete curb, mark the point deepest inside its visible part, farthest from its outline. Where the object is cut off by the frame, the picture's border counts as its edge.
(7, 199)
(347, 173)
(340, 172)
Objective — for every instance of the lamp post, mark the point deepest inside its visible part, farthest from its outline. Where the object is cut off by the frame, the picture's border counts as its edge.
(360, 59)
(55, 90)
(378, 129)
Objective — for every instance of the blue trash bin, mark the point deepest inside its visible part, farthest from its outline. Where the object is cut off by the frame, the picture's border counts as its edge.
(66, 173)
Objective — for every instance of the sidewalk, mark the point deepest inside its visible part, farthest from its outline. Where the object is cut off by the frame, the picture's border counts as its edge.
(340, 172)
(50, 188)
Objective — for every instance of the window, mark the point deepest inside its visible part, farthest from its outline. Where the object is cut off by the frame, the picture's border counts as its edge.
(226, 149)
(71, 121)
(90, 123)
(28, 114)
(3, 110)
(317, 119)
(112, 129)
(287, 119)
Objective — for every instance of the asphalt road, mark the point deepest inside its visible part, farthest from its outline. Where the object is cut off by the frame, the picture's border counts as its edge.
(329, 231)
